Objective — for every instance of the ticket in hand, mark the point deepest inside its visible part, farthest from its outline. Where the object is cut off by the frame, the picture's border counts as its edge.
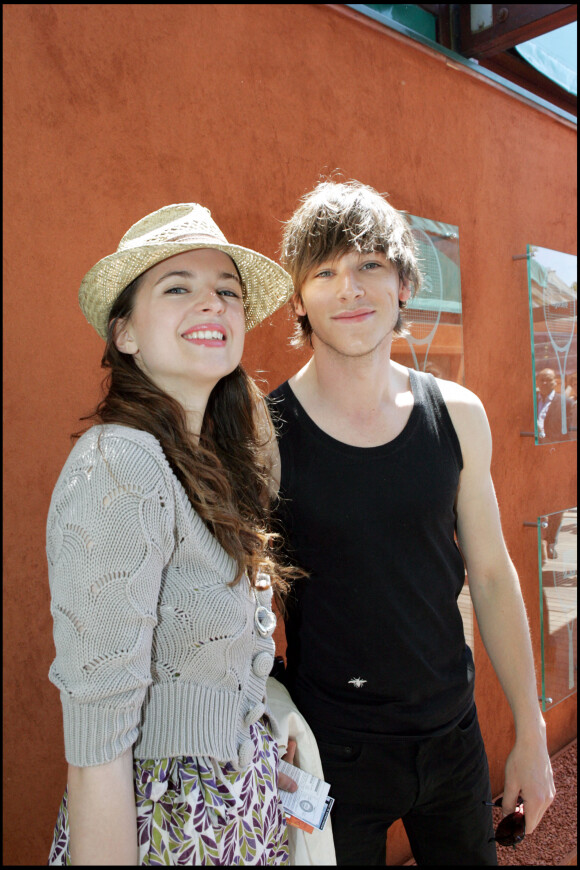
(309, 806)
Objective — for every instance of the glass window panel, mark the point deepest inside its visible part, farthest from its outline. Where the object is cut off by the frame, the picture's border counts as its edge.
(433, 317)
(413, 17)
(552, 288)
(557, 536)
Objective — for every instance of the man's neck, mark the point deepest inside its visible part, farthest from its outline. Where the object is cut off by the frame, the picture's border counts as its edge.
(362, 401)
(350, 384)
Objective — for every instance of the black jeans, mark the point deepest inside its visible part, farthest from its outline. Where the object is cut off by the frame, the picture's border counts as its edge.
(436, 786)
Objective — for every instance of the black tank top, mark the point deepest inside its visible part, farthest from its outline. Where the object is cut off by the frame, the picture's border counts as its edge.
(375, 638)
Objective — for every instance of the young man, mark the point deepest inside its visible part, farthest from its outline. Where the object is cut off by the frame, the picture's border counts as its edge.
(549, 402)
(378, 467)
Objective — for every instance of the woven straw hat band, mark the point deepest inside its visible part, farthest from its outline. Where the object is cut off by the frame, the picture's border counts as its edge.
(173, 230)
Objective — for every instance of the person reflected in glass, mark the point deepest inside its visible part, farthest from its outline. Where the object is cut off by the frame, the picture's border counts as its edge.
(549, 405)
(572, 386)
(572, 396)
(550, 532)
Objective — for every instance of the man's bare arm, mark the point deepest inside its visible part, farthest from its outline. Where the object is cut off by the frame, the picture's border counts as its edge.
(499, 607)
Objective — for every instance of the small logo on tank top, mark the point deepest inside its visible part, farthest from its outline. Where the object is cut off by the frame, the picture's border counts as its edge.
(357, 682)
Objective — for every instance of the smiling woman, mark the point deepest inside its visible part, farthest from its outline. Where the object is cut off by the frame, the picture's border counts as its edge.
(161, 560)
(200, 331)
(204, 310)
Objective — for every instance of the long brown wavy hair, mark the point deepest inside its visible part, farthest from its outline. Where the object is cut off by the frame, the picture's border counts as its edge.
(225, 475)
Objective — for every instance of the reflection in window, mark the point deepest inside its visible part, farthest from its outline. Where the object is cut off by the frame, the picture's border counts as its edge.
(552, 286)
(434, 342)
(557, 536)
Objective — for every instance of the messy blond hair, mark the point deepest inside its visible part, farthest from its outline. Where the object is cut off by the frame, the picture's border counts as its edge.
(338, 217)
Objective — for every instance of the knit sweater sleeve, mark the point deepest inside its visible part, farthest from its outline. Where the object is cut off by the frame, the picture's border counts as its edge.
(109, 537)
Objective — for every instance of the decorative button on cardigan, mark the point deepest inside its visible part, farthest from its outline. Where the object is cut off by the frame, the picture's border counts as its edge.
(154, 649)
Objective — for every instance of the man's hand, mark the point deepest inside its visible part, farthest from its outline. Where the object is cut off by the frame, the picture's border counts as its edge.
(286, 782)
(528, 772)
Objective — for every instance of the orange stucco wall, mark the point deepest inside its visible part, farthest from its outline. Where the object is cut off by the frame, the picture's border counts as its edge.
(114, 111)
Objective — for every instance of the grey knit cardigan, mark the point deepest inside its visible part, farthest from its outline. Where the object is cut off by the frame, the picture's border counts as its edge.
(154, 649)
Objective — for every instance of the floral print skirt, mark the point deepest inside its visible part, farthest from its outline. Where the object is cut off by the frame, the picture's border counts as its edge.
(197, 811)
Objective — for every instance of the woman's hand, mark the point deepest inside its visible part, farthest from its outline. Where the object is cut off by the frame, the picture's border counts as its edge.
(286, 782)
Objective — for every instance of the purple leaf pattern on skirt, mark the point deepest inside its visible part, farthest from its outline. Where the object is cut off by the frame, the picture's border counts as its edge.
(196, 810)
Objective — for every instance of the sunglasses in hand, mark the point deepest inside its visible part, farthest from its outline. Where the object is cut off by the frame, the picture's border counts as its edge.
(512, 828)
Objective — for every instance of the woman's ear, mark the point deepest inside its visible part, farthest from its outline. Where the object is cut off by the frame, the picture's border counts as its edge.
(123, 337)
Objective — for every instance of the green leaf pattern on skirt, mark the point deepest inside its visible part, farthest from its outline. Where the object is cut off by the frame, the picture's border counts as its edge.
(196, 811)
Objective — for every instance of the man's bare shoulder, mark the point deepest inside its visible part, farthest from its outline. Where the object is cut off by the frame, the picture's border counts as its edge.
(467, 413)
(457, 395)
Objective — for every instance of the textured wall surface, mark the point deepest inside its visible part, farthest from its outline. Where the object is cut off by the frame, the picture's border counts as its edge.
(113, 111)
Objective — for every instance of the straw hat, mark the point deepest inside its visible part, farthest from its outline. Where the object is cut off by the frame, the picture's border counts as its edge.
(172, 230)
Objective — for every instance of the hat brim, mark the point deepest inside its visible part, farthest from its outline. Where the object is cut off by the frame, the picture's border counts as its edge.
(266, 285)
